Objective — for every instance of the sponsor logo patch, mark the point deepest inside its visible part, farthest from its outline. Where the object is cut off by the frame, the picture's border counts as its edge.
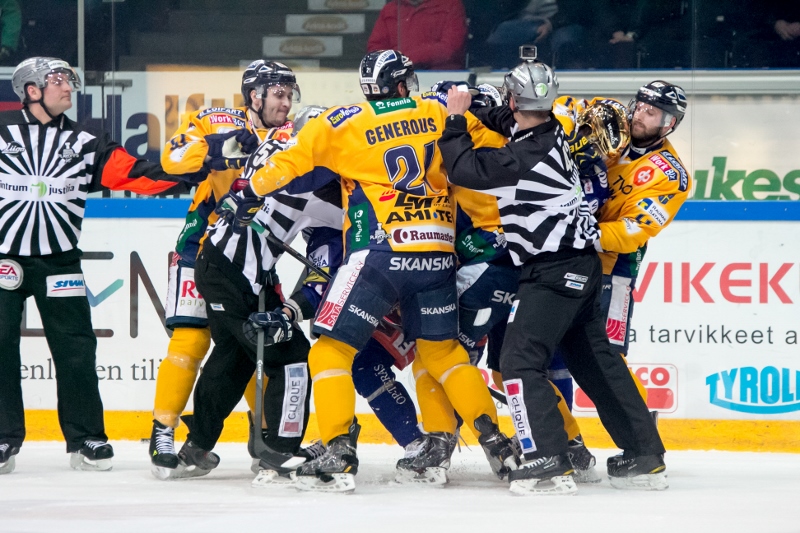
(519, 414)
(10, 274)
(574, 285)
(339, 290)
(387, 106)
(576, 277)
(217, 307)
(428, 264)
(659, 161)
(643, 175)
(443, 310)
(684, 184)
(422, 235)
(294, 400)
(363, 314)
(228, 111)
(338, 116)
(660, 216)
(65, 285)
(13, 148)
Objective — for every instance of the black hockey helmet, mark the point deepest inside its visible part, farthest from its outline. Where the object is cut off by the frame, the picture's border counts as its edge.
(261, 74)
(488, 96)
(382, 71)
(665, 96)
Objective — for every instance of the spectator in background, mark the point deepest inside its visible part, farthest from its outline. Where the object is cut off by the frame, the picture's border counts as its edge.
(782, 42)
(432, 33)
(532, 25)
(577, 28)
(481, 21)
(10, 25)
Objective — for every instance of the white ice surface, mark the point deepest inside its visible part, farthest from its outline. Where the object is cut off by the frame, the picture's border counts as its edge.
(709, 492)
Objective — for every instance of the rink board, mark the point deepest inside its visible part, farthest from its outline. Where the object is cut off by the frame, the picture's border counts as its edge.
(714, 336)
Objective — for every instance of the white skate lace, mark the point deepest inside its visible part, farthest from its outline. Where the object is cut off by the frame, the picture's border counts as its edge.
(165, 441)
(94, 444)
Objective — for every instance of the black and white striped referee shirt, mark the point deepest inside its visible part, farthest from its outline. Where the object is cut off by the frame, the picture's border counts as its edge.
(285, 216)
(46, 171)
(538, 190)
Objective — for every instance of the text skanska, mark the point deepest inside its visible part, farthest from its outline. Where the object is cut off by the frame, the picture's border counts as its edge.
(400, 128)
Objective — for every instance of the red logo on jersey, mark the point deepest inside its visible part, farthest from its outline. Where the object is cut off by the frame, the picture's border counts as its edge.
(328, 314)
(644, 175)
(8, 270)
(387, 195)
(189, 289)
(616, 330)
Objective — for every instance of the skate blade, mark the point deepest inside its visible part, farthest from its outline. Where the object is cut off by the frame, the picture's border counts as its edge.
(338, 483)
(642, 482)
(271, 478)
(434, 475)
(558, 485)
(80, 462)
(587, 476)
(181, 472)
(8, 466)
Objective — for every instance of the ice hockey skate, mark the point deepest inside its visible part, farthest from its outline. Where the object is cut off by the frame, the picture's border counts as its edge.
(94, 455)
(335, 470)
(163, 457)
(583, 461)
(497, 447)
(543, 476)
(7, 461)
(643, 472)
(193, 461)
(427, 460)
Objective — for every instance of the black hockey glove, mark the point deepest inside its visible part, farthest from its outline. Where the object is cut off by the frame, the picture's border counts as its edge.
(239, 209)
(227, 150)
(277, 327)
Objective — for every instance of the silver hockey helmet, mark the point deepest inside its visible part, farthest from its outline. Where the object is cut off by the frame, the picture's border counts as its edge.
(533, 85)
(36, 70)
(304, 115)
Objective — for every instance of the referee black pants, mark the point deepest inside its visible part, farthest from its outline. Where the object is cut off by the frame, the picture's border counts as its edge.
(67, 325)
(559, 306)
(229, 301)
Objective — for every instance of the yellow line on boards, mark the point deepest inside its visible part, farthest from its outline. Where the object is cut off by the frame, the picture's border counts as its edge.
(678, 434)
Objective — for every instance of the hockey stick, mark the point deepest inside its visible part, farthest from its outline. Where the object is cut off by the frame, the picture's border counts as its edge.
(258, 437)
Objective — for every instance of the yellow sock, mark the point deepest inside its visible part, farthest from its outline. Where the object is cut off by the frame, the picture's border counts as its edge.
(570, 424)
(448, 363)
(642, 390)
(250, 396)
(436, 410)
(330, 363)
(177, 373)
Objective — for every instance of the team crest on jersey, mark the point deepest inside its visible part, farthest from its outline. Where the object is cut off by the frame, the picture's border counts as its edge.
(13, 148)
(67, 153)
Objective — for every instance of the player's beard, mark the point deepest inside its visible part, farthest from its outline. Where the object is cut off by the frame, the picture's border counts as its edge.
(641, 137)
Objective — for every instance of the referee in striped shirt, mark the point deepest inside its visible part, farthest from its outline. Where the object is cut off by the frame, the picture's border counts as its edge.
(551, 235)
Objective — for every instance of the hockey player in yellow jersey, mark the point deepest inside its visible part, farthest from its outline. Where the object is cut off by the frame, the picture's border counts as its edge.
(216, 140)
(647, 186)
(399, 232)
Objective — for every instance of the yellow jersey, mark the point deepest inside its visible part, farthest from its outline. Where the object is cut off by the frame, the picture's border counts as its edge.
(394, 187)
(647, 188)
(185, 153)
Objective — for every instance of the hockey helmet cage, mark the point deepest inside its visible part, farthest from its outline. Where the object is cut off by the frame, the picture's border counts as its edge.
(261, 74)
(488, 96)
(665, 96)
(302, 117)
(609, 128)
(533, 85)
(37, 69)
(381, 71)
